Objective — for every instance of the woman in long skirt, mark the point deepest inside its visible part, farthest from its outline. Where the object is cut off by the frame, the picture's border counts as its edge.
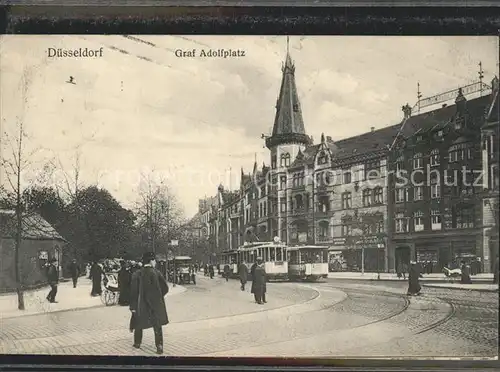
(414, 286)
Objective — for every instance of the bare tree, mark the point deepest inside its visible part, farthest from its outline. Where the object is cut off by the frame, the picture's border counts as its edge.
(14, 168)
(158, 212)
(366, 229)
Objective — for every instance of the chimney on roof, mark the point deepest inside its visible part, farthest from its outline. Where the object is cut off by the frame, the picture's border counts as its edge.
(372, 129)
(444, 105)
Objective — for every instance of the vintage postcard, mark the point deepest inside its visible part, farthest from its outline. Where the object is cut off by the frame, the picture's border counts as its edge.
(234, 196)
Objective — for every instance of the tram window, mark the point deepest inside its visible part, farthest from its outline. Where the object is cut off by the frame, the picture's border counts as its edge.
(272, 254)
(279, 254)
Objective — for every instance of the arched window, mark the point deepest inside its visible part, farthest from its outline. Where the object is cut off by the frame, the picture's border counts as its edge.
(418, 161)
(285, 160)
(378, 195)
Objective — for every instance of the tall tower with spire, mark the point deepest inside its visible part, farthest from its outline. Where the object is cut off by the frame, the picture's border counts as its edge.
(288, 134)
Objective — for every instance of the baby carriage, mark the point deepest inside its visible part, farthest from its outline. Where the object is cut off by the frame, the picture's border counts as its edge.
(111, 293)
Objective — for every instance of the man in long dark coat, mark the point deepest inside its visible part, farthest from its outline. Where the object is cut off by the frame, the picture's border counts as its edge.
(243, 274)
(53, 279)
(211, 271)
(75, 272)
(124, 279)
(465, 276)
(147, 302)
(414, 286)
(259, 282)
(227, 269)
(96, 276)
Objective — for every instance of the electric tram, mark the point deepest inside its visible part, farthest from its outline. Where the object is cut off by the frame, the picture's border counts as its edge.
(229, 258)
(307, 262)
(273, 255)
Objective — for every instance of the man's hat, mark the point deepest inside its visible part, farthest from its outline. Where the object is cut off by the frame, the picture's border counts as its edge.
(148, 256)
(259, 258)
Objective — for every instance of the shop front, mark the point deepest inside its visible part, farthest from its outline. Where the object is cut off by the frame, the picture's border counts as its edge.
(366, 256)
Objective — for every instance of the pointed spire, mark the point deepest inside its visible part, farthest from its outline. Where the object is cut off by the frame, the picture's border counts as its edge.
(322, 138)
(288, 122)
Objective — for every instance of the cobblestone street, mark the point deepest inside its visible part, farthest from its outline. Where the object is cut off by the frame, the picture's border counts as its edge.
(333, 318)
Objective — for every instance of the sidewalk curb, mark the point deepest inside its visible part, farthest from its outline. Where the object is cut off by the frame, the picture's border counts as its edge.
(181, 290)
(434, 281)
(462, 289)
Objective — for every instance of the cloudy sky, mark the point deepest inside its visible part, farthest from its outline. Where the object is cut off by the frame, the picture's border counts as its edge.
(140, 108)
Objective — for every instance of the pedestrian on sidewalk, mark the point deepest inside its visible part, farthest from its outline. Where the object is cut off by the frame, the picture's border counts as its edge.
(53, 279)
(75, 272)
(414, 286)
(147, 302)
(465, 277)
(226, 272)
(124, 282)
(243, 273)
(211, 271)
(259, 279)
(96, 276)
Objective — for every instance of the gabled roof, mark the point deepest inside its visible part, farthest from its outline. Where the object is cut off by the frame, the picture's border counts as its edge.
(33, 226)
(377, 142)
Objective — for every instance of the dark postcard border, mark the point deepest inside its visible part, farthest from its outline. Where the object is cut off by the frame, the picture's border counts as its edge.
(255, 21)
(101, 363)
(251, 20)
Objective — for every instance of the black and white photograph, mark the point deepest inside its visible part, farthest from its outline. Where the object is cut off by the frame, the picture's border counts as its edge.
(249, 196)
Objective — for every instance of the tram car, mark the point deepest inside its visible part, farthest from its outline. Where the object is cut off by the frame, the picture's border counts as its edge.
(230, 258)
(307, 262)
(181, 270)
(273, 255)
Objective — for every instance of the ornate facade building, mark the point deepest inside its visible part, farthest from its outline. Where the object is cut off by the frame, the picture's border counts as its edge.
(436, 182)
(343, 195)
(490, 204)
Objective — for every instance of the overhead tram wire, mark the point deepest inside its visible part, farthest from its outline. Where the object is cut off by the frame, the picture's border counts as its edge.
(142, 58)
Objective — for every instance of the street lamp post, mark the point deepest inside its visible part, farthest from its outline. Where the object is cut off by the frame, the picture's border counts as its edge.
(379, 246)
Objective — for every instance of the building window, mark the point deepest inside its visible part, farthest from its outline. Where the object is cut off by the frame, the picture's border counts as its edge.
(401, 223)
(434, 157)
(283, 205)
(323, 204)
(418, 193)
(435, 219)
(299, 202)
(322, 159)
(347, 176)
(283, 182)
(263, 191)
(400, 164)
(323, 229)
(457, 152)
(285, 160)
(435, 188)
(379, 226)
(494, 177)
(463, 217)
(401, 195)
(346, 200)
(273, 162)
(372, 169)
(418, 221)
(378, 195)
(418, 161)
(346, 229)
(367, 197)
